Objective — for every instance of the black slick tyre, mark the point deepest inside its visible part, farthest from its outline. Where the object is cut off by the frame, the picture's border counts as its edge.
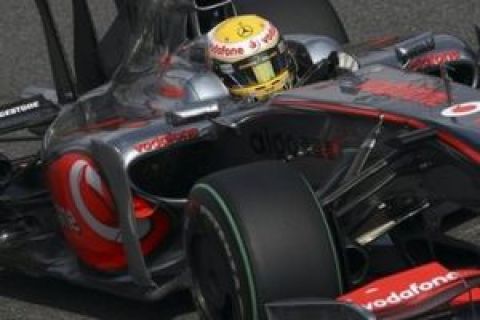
(255, 234)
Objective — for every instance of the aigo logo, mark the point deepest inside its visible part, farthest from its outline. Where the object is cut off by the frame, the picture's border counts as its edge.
(412, 291)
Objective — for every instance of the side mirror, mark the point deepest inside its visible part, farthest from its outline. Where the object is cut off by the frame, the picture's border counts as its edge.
(193, 112)
(415, 47)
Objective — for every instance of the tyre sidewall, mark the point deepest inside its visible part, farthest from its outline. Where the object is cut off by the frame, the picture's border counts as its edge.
(213, 210)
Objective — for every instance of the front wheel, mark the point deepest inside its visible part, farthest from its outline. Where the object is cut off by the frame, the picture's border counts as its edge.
(255, 235)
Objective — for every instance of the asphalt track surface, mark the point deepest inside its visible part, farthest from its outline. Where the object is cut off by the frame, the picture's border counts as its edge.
(23, 62)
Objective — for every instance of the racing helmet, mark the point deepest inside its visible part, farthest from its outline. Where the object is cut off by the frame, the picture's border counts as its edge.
(248, 53)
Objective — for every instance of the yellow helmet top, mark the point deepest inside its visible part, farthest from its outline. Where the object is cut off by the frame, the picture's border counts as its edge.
(248, 53)
(240, 28)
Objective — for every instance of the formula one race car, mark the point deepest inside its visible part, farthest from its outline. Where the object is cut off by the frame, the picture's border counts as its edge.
(351, 196)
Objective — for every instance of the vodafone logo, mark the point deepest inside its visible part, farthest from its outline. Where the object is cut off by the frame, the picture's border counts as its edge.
(251, 42)
(404, 293)
(163, 141)
(462, 110)
(223, 50)
(411, 292)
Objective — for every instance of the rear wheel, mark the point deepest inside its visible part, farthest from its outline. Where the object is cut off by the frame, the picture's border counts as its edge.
(254, 235)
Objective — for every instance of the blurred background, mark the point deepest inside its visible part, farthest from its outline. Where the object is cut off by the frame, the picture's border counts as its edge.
(23, 58)
(23, 62)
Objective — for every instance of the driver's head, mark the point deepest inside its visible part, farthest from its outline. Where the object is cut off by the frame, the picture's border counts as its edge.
(250, 56)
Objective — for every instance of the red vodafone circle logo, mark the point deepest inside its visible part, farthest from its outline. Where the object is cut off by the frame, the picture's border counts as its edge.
(462, 110)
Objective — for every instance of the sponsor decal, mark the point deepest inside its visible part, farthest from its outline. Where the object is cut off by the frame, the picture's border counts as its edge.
(224, 51)
(433, 59)
(462, 110)
(413, 290)
(406, 289)
(271, 34)
(19, 109)
(278, 143)
(93, 203)
(85, 186)
(427, 96)
(88, 217)
(281, 144)
(244, 31)
(251, 42)
(165, 140)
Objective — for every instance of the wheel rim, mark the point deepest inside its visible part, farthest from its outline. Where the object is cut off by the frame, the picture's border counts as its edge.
(215, 280)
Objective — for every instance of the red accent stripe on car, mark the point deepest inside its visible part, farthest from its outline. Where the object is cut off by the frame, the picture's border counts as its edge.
(444, 136)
